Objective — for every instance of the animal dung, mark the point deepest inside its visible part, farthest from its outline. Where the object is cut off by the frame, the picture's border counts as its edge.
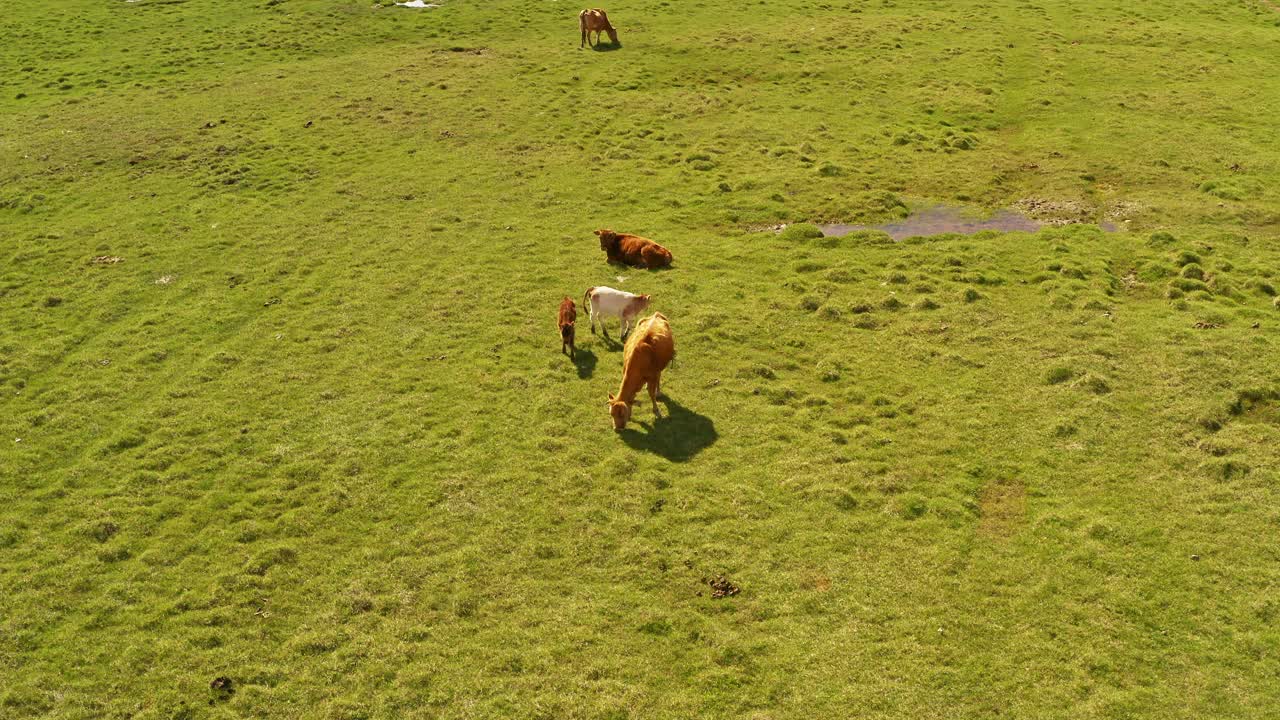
(721, 587)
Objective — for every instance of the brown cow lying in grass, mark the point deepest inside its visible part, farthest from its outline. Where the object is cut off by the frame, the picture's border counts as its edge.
(595, 21)
(645, 356)
(633, 250)
(567, 317)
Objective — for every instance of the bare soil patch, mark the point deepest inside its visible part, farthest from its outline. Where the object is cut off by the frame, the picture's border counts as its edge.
(1001, 508)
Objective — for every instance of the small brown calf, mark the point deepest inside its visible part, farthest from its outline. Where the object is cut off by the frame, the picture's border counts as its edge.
(566, 319)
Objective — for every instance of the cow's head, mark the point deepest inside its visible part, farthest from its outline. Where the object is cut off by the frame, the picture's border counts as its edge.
(642, 302)
(608, 239)
(620, 412)
(613, 34)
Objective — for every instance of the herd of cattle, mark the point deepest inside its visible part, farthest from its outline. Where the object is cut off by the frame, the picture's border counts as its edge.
(648, 344)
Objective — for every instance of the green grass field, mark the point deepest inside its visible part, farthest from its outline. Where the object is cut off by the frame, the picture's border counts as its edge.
(282, 402)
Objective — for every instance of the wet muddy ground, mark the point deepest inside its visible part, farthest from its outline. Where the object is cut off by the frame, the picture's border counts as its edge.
(939, 219)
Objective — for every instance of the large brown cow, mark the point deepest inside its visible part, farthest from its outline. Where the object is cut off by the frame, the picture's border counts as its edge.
(633, 250)
(645, 356)
(595, 21)
(567, 317)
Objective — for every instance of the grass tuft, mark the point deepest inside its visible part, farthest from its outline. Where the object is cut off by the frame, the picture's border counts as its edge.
(1059, 375)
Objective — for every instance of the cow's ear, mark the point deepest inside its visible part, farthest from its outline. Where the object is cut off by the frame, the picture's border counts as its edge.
(646, 297)
(597, 232)
(610, 397)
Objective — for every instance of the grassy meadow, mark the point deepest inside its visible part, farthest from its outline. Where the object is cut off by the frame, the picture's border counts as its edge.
(285, 430)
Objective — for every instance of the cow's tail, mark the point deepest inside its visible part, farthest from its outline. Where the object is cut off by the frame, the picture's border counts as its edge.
(586, 301)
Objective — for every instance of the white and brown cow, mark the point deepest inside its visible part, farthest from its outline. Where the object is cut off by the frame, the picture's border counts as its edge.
(605, 302)
(595, 21)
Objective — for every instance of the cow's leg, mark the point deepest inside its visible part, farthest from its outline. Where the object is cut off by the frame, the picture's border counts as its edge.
(584, 37)
(593, 318)
(653, 395)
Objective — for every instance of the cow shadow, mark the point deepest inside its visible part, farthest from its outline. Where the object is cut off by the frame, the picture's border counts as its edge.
(584, 361)
(610, 343)
(678, 435)
(621, 266)
(607, 47)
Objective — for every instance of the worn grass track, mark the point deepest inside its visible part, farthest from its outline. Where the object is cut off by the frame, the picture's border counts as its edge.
(312, 432)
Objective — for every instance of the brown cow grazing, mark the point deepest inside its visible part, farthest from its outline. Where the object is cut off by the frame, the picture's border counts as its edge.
(594, 21)
(644, 358)
(568, 315)
(633, 250)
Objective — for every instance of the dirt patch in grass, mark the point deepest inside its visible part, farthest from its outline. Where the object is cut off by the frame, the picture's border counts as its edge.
(1122, 210)
(1002, 505)
(773, 228)
(1071, 212)
(1055, 212)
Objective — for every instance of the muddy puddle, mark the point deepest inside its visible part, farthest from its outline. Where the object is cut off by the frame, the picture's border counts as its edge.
(939, 219)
